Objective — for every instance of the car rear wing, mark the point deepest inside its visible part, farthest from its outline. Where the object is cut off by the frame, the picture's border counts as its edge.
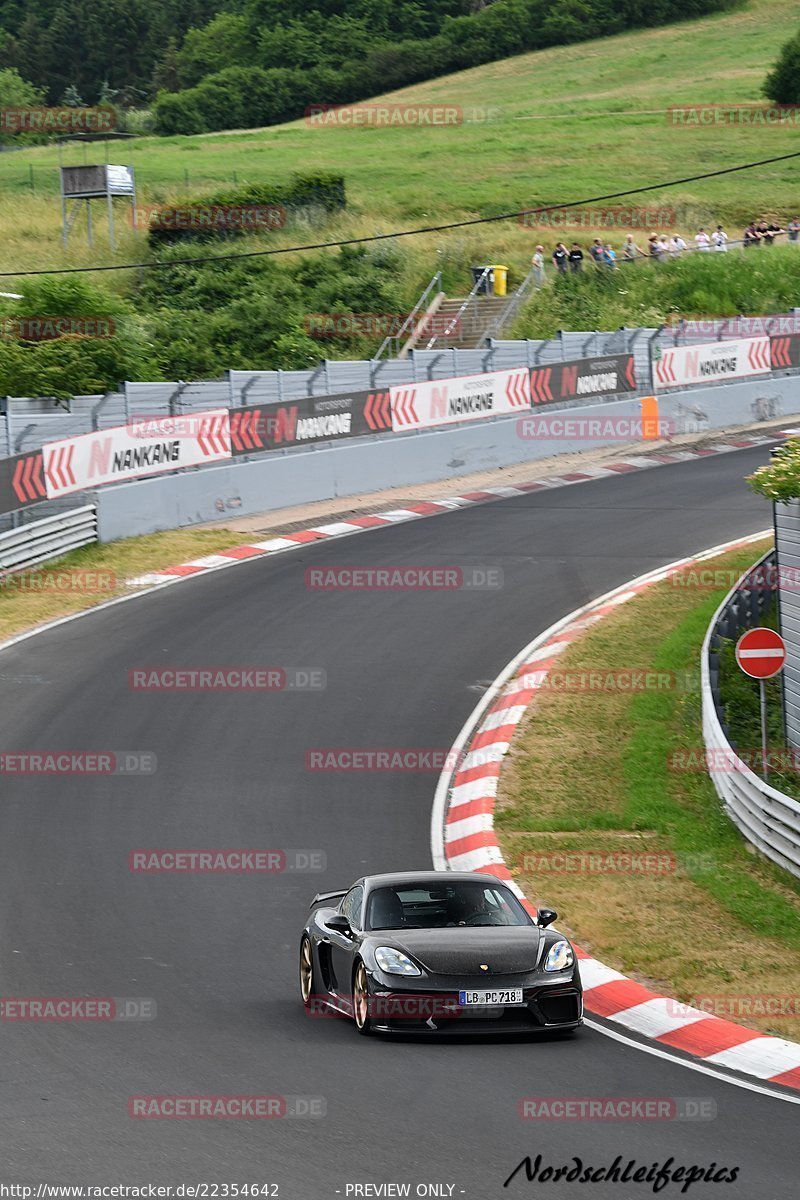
(323, 897)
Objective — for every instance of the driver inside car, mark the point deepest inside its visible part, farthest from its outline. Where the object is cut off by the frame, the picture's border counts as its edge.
(472, 908)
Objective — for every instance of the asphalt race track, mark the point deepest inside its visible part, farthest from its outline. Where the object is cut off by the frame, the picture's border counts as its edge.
(218, 953)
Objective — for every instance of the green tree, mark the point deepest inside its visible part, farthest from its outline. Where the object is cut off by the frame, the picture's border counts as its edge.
(783, 82)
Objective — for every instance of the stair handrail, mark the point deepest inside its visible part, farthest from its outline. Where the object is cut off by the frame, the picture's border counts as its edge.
(471, 298)
(510, 311)
(436, 282)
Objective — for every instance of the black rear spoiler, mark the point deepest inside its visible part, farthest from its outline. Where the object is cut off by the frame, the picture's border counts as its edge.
(322, 897)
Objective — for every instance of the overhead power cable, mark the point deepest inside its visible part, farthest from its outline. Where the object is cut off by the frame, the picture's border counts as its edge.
(382, 237)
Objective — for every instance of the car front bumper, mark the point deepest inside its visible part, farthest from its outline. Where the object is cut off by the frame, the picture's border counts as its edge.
(431, 1005)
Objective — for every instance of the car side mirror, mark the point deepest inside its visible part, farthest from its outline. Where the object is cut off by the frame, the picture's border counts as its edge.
(545, 917)
(339, 923)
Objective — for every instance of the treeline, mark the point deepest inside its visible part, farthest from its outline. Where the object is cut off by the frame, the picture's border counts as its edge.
(267, 63)
(96, 49)
(215, 64)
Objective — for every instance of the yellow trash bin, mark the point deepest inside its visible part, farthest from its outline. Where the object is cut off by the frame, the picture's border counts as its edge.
(500, 279)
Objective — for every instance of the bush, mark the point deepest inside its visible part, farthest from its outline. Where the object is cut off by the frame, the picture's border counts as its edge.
(779, 479)
(322, 190)
(783, 82)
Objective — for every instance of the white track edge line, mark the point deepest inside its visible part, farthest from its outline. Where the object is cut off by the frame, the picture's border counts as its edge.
(692, 1065)
(439, 809)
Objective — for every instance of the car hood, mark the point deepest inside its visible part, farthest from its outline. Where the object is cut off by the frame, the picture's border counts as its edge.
(462, 950)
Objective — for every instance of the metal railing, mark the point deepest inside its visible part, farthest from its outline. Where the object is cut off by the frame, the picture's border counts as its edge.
(404, 331)
(767, 818)
(471, 301)
(509, 314)
(39, 541)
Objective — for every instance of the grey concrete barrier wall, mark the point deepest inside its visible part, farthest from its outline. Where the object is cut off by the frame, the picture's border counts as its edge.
(274, 481)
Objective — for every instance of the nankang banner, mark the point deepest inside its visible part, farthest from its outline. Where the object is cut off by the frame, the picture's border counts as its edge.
(465, 398)
(135, 450)
(712, 361)
(582, 377)
(309, 419)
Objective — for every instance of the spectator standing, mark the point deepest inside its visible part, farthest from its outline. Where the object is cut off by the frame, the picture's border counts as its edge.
(794, 229)
(654, 247)
(596, 251)
(676, 246)
(537, 262)
(610, 256)
(663, 247)
(702, 241)
(560, 257)
(752, 237)
(720, 239)
(630, 250)
(769, 232)
(575, 259)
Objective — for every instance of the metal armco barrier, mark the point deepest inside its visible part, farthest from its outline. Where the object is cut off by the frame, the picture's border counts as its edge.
(50, 538)
(158, 442)
(766, 817)
(583, 377)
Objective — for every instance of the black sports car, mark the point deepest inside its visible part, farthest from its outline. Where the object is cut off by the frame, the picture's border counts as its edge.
(434, 952)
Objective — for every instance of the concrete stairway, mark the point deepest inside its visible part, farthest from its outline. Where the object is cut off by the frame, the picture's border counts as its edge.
(474, 322)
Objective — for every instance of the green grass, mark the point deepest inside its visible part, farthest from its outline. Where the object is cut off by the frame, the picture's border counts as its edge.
(96, 573)
(573, 122)
(594, 774)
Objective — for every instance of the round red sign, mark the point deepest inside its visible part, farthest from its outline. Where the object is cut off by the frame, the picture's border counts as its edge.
(761, 653)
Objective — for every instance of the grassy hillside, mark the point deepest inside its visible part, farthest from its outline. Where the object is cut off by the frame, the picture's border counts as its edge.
(568, 123)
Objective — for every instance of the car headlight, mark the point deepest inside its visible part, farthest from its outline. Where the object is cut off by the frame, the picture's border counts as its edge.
(394, 962)
(559, 956)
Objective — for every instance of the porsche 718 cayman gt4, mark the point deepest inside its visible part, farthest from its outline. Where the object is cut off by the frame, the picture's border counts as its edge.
(434, 952)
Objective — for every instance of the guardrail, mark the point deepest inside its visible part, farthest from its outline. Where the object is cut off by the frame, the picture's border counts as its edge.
(39, 541)
(767, 818)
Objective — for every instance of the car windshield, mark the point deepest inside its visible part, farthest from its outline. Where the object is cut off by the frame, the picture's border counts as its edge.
(442, 906)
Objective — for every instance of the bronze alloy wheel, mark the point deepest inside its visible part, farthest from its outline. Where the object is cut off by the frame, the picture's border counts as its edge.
(361, 1000)
(306, 972)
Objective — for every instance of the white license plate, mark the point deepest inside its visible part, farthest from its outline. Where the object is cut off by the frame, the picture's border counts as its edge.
(494, 996)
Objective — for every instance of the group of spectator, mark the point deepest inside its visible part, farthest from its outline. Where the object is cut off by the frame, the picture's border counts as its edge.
(658, 247)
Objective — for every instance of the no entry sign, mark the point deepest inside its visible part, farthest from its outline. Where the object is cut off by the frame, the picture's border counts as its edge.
(761, 653)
